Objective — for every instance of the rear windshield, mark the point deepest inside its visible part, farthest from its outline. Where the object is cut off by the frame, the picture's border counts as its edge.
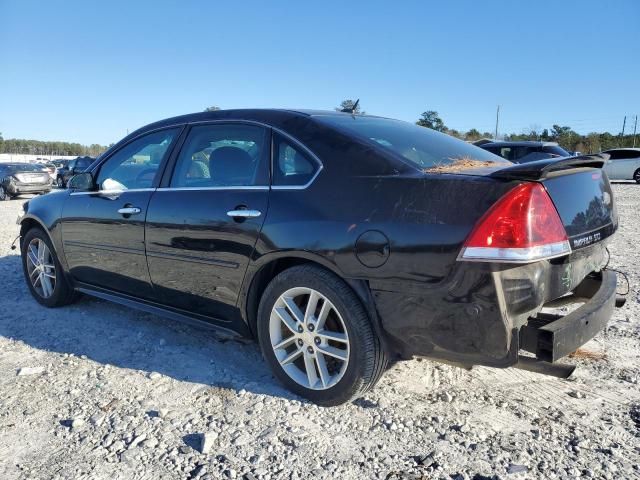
(21, 168)
(556, 150)
(422, 147)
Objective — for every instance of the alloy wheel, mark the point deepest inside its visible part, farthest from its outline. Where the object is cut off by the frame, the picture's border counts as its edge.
(309, 338)
(3, 194)
(41, 268)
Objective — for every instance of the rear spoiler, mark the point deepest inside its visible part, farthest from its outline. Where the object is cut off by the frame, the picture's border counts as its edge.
(542, 168)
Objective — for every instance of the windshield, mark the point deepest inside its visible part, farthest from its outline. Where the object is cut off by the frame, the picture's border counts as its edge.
(423, 147)
(27, 167)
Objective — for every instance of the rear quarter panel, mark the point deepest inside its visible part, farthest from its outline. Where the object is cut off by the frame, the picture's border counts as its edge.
(421, 293)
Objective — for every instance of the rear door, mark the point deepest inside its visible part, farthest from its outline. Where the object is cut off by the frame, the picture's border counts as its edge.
(612, 166)
(103, 230)
(627, 164)
(204, 220)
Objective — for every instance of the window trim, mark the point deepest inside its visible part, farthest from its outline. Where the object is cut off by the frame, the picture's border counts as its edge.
(309, 153)
(165, 181)
(161, 168)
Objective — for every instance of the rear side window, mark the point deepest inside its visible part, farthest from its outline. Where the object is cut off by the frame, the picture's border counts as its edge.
(222, 155)
(423, 147)
(291, 165)
(556, 150)
(623, 154)
(84, 163)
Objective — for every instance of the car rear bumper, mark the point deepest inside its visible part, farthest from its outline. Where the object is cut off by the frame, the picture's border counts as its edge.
(552, 337)
(485, 315)
(17, 189)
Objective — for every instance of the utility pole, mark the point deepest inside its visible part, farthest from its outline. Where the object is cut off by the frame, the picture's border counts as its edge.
(497, 120)
(624, 124)
(635, 125)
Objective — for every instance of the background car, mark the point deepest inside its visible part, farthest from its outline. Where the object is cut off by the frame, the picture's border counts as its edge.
(525, 151)
(623, 164)
(50, 168)
(339, 241)
(68, 170)
(19, 178)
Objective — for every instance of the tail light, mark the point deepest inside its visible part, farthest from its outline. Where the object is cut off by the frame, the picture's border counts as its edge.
(523, 226)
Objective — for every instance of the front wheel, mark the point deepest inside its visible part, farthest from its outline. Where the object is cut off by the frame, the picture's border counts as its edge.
(636, 176)
(60, 182)
(43, 272)
(317, 337)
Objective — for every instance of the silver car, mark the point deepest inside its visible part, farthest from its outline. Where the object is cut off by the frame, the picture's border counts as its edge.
(623, 164)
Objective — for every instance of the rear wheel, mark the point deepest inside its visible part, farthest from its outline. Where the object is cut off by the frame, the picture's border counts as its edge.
(636, 176)
(43, 271)
(317, 337)
(60, 182)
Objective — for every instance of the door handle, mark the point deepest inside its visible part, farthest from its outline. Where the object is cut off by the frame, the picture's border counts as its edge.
(129, 210)
(244, 213)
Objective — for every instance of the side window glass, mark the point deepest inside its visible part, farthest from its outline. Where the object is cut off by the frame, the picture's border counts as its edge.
(136, 164)
(506, 152)
(291, 166)
(227, 155)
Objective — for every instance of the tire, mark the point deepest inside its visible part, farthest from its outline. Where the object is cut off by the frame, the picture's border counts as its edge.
(346, 320)
(59, 292)
(4, 195)
(636, 176)
(60, 182)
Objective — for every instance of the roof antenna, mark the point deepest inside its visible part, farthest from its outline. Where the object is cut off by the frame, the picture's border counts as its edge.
(353, 108)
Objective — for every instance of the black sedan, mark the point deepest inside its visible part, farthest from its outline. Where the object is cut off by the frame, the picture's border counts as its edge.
(19, 178)
(72, 167)
(341, 242)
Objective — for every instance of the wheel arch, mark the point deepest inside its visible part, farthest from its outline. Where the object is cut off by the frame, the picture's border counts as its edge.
(268, 268)
(30, 221)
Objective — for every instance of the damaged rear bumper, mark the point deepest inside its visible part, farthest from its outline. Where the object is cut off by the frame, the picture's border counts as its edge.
(490, 315)
(551, 337)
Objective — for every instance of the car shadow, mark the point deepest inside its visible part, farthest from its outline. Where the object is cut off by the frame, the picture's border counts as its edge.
(126, 338)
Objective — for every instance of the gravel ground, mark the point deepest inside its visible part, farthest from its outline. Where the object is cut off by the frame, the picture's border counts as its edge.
(99, 391)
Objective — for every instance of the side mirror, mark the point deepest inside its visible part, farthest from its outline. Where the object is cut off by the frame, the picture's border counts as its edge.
(83, 182)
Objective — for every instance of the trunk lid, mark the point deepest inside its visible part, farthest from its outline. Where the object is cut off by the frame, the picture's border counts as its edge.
(578, 187)
(580, 191)
(584, 201)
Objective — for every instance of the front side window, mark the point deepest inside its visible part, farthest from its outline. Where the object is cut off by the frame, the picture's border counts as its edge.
(291, 166)
(222, 155)
(136, 164)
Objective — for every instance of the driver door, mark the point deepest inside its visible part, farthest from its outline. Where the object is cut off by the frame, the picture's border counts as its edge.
(103, 230)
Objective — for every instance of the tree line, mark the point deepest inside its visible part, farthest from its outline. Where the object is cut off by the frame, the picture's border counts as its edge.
(38, 147)
(564, 135)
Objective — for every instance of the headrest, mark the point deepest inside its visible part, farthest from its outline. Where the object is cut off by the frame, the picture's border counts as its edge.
(230, 163)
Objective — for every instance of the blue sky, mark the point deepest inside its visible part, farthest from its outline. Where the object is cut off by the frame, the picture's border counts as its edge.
(89, 71)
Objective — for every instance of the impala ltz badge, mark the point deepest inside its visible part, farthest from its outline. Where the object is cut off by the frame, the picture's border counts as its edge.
(586, 240)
